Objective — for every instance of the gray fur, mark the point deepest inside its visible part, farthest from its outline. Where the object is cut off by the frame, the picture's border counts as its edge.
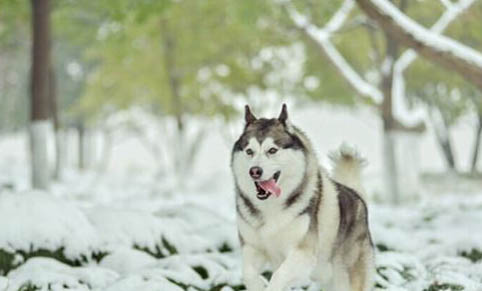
(314, 205)
(263, 128)
(248, 205)
(296, 194)
(336, 231)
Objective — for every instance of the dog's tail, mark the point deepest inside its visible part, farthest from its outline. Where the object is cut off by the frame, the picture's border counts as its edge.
(347, 167)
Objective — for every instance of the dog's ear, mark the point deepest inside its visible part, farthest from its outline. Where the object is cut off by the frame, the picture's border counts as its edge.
(283, 116)
(248, 116)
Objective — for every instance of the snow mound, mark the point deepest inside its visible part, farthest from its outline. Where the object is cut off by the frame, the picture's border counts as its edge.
(125, 260)
(33, 221)
(139, 282)
(165, 243)
(49, 274)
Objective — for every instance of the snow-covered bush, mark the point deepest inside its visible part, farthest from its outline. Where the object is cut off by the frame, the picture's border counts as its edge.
(49, 242)
(35, 224)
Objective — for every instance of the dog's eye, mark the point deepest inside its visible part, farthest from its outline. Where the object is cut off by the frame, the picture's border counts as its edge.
(249, 152)
(272, 151)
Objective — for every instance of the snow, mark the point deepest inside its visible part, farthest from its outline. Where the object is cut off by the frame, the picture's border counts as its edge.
(412, 116)
(427, 241)
(50, 223)
(430, 38)
(53, 275)
(151, 238)
(337, 20)
(424, 243)
(322, 37)
(140, 282)
(125, 260)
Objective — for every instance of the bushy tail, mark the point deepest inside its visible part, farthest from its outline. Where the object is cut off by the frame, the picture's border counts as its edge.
(347, 166)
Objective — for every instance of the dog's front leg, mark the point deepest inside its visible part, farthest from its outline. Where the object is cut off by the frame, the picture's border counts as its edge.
(298, 265)
(253, 262)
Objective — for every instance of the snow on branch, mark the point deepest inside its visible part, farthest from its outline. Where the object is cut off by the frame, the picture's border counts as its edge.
(321, 37)
(453, 11)
(337, 20)
(400, 109)
(440, 49)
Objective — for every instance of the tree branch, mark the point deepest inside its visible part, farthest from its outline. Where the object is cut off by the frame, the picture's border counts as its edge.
(440, 49)
(321, 37)
(410, 55)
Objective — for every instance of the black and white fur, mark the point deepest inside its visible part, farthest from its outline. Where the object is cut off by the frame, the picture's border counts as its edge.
(317, 228)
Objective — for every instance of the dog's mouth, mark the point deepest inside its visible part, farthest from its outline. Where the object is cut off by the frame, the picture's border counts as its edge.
(268, 187)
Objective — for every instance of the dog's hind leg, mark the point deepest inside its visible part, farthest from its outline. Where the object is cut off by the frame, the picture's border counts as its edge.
(361, 274)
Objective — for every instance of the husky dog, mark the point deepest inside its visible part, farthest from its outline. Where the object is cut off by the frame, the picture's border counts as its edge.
(292, 215)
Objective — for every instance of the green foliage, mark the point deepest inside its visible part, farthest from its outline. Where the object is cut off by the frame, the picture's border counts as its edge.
(436, 286)
(29, 287)
(14, 21)
(162, 250)
(14, 65)
(437, 88)
(202, 272)
(474, 255)
(119, 50)
(426, 12)
(467, 27)
(225, 248)
(139, 55)
(6, 262)
(440, 88)
(383, 248)
(235, 287)
(10, 261)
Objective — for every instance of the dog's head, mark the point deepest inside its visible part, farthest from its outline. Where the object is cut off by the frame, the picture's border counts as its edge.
(269, 156)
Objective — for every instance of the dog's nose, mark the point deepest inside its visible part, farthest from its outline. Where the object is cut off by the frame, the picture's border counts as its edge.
(256, 172)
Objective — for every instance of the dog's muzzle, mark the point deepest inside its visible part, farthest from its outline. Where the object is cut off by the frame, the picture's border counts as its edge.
(263, 189)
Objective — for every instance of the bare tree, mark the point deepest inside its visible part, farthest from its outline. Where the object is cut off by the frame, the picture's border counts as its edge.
(437, 48)
(391, 89)
(476, 150)
(40, 99)
(184, 149)
(54, 110)
(477, 101)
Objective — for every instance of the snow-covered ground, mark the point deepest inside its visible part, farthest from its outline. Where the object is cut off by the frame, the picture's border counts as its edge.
(147, 241)
(127, 231)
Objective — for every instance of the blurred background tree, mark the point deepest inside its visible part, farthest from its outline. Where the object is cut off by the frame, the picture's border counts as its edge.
(366, 57)
(183, 64)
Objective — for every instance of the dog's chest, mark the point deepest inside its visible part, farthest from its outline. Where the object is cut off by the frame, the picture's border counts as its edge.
(281, 234)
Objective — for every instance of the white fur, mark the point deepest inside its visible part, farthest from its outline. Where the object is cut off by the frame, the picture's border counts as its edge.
(283, 239)
(347, 165)
(291, 162)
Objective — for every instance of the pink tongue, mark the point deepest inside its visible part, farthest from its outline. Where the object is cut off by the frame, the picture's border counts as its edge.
(271, 186)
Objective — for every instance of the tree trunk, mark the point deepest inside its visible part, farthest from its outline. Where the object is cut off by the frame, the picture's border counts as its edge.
(40, 102)
(59, 155)
(390, 166)
(169, 47)
(179, 149)
(106, 151)
(446, 147)
(81, 144)
(447, 52)
(389, 122)
(442, 134)
(478, 135)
